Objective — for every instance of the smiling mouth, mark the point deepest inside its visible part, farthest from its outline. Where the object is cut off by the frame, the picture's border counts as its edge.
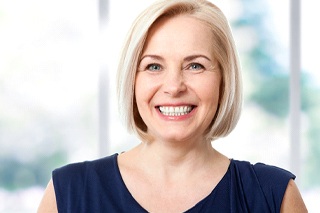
(175, 110)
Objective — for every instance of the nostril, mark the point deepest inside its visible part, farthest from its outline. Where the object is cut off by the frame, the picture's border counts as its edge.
(174, 86)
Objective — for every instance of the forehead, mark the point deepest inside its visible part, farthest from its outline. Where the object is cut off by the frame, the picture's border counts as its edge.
(181, 32)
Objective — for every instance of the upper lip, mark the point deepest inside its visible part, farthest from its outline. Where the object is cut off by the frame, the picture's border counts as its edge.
(175, 104)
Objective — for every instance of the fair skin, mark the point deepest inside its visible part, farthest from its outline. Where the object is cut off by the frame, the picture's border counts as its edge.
(177, 69)
(181, 75)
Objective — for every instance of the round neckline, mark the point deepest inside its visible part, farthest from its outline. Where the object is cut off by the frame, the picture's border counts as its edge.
(123, 185)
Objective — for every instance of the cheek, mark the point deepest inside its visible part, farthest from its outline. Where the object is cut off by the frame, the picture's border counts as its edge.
(138, 90)
(138, 85)
(209, 90)
(142, 89)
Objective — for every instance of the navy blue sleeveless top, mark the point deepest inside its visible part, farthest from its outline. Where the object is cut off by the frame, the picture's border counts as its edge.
(97, 186)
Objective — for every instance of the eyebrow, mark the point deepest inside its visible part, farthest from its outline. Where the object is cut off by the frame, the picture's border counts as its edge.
(188, 58)
(192, 57)
(157, 57)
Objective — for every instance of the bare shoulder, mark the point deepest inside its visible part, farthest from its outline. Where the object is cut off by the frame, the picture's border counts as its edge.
(292, 200)
(48, 202)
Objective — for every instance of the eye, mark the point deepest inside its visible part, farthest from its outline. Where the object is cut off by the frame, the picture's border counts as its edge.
(153, 67)
(195, 67)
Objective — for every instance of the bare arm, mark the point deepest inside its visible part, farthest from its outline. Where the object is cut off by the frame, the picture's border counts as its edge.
(292, 200)
(48, 203)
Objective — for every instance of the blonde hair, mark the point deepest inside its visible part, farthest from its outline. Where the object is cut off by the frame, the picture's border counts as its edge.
(229, 109)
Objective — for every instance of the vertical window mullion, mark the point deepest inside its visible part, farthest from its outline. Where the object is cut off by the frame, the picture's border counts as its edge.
(103, 84)
(295, 99)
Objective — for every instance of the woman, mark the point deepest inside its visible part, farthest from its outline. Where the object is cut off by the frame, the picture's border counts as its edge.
(179, 88)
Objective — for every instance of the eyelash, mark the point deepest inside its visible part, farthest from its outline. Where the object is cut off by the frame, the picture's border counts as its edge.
(151, 67)
(200, 66)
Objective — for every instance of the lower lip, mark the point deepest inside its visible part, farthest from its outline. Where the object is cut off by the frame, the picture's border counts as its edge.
(176, 118)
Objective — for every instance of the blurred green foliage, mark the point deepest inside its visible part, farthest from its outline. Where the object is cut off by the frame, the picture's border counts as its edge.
(270, 92)
(271, 84)
(15, 174)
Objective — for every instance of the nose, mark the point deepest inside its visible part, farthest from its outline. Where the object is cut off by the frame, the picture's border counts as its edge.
(174, 83)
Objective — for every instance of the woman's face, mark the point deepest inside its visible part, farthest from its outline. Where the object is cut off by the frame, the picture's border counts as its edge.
(178, 80)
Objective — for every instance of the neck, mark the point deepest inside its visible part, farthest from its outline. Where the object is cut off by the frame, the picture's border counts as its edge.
(180, 158)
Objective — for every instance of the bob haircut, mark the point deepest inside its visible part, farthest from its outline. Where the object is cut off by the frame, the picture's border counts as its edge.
(230, 99)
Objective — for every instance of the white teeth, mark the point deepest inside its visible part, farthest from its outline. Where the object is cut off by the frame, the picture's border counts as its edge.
(175, 111)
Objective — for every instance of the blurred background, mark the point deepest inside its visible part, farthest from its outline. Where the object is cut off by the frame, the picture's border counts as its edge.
(58, 62)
